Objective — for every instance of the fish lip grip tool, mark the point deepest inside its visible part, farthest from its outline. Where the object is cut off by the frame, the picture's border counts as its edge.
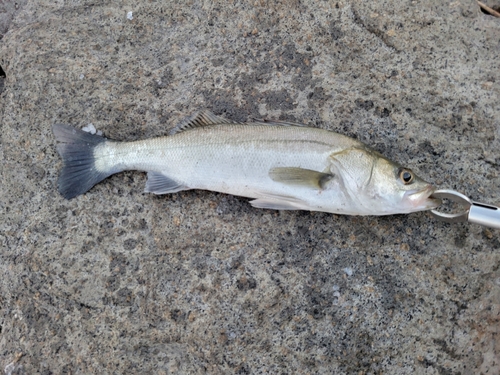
(473, 212)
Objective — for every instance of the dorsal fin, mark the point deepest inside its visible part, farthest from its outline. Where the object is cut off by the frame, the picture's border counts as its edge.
(199, 119)
(275, 122)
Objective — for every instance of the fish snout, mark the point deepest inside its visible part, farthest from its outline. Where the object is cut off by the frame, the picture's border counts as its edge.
(422, 199)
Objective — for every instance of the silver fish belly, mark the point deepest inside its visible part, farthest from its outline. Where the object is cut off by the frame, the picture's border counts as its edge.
(279, 165)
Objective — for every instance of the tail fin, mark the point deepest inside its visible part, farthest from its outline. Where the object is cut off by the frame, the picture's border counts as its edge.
(76, 148)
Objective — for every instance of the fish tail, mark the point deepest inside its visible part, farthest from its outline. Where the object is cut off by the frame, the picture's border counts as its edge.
(79, 173)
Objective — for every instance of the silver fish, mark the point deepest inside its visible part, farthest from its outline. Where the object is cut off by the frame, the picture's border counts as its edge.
(280, 165)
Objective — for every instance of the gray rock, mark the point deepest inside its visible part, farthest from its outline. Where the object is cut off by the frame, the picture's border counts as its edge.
(8, 10)
(117, 281)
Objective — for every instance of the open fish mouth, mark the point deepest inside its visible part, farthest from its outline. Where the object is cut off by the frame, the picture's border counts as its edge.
(423, 199)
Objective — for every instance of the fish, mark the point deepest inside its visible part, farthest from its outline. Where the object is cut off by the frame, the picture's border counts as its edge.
(279, 165)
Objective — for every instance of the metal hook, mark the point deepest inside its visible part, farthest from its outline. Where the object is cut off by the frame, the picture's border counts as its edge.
(455, 197)
(475, 212)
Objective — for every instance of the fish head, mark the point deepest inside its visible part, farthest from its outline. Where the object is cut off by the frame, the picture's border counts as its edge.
(382, 187)
(399, 189)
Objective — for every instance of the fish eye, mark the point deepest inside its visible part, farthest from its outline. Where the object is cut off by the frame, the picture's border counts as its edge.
(406, 176)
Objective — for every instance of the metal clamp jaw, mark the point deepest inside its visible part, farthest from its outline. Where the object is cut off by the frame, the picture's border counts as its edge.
(475, 212)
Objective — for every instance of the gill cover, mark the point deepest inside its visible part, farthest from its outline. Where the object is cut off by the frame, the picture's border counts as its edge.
(378, 185)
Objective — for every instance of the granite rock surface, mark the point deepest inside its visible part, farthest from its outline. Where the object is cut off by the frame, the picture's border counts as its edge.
(118, 281)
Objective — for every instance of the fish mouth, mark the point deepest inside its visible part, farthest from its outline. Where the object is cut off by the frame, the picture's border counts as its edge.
(422, 199)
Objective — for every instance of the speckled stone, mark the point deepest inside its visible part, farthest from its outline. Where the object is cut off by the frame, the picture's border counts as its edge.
(118, 281)
(8, 10)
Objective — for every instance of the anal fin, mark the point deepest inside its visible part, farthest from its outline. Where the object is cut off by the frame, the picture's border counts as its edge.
(158, 183)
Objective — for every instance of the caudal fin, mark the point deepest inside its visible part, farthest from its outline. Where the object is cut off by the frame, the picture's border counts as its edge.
(76, 148)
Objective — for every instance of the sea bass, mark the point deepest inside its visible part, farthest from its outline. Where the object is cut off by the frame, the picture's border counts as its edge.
(281, 166)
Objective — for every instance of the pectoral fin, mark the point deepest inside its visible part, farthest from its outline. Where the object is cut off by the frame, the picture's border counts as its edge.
(300, 177)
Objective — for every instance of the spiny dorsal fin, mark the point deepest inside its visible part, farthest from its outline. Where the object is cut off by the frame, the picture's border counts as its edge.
(199, 119)
(300, 177)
